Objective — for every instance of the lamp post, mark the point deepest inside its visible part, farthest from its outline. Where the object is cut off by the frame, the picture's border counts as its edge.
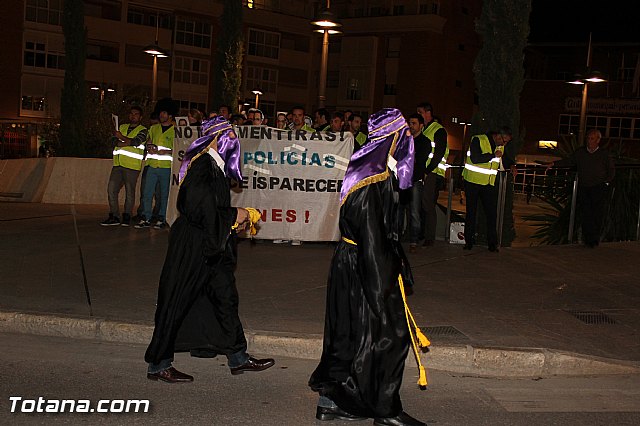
(102, 90)
(257, 92)
(155, 51)
(584, 80)
(327, 25)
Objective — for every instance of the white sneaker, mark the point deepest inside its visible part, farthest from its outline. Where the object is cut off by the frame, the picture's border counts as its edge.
(280, 241)
(296, 243)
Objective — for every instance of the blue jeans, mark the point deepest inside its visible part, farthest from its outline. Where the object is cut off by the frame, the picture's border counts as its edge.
(163, 177)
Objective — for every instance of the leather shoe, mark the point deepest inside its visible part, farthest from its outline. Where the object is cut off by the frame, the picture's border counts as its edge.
(253, 364)
(324, 413)
(170, 375)
(413, 248)
(402, 419)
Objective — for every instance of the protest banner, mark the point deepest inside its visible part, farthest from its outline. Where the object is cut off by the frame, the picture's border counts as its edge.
(292, 177)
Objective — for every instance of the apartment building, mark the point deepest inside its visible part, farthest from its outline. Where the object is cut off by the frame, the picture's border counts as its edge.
(391, 53)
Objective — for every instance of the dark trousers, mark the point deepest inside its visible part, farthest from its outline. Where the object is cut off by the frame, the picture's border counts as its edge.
(432, 184)
(122, 176)
(488, 196)
(592, 201)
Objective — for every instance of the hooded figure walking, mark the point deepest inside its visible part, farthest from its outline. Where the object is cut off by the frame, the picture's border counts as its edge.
(197, 297)
(366, 334)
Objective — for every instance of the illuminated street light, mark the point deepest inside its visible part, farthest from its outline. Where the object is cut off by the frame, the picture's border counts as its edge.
(257, 92)
(157, 52)
(326, 24)
(584, 80)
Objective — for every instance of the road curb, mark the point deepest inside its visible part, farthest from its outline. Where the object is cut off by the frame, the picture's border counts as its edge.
(479, 361)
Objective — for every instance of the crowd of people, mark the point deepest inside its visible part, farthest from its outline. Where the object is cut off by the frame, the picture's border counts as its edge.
(391, 184)
(135, 145)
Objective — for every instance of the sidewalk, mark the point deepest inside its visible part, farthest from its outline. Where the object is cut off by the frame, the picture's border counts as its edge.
(529, 311)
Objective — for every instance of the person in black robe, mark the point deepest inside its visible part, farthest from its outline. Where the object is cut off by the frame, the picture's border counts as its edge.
(197, 307)
(366, 334)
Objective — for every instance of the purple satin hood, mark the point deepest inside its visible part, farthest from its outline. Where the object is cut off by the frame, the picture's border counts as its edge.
(228, 147)
(385, 127)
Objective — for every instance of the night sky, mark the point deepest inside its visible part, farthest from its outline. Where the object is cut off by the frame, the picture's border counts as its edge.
(571, 21)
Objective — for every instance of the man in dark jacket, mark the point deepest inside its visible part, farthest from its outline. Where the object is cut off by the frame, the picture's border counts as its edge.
(596, 171)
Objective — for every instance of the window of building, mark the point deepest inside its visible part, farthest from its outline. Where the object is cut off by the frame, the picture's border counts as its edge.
(105, 9)
(393, 47)
(569, 124)
(621, 128)
(148, 17)
(595, 122)
(37, 55)
(193, 33)
(354, 89)
(103, 51)
(265, 44)
(294, 42)
(636, 129)
(266, 79)
(398, 9)
(33, 103)
(430, 7)
(44, 11)
(191, 71)
(186, 105)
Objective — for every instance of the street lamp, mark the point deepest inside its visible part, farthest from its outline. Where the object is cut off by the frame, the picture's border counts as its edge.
(257, 92)
(584, 80)
(155, 51)
(326, 24)
(102, 90)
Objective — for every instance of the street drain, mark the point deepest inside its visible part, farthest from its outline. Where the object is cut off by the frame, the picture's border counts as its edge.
(443, 331)
(592, 317)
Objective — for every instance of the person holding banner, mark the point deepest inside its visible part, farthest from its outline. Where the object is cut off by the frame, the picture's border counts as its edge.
(128, 152)
(197, 307)
(367, 332)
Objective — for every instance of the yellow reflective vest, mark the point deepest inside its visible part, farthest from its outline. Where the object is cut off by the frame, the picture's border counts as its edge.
(430, 132)
(162, 140)
(129, 157)
(482, 173)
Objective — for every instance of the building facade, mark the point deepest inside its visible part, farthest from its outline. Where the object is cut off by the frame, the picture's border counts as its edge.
(391, 53)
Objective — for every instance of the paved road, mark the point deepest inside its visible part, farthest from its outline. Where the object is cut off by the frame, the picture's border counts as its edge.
(58, 368)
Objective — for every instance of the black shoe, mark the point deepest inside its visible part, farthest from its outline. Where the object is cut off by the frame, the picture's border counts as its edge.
(142, 224)
(493, 248)
(170, 375)
(324, 414)
(161, 224)
(253, 364)
(126, 220)
(467, 246)
(402, 419)
(111, 221)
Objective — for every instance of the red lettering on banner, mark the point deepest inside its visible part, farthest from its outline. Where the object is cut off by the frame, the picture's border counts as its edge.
(276, 215)
(306, 216)
(291, 216)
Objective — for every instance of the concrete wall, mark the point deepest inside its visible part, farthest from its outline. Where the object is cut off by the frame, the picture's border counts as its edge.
(56, 180)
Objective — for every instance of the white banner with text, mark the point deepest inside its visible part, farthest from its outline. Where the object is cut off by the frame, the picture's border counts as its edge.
(292, 177)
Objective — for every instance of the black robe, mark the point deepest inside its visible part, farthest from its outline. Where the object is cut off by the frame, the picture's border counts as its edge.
(366, 337)
(197, 297)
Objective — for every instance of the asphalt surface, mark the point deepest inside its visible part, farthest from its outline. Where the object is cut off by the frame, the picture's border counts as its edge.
(525, 311)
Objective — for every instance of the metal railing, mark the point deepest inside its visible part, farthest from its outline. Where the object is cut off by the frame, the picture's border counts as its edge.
(535, 180)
